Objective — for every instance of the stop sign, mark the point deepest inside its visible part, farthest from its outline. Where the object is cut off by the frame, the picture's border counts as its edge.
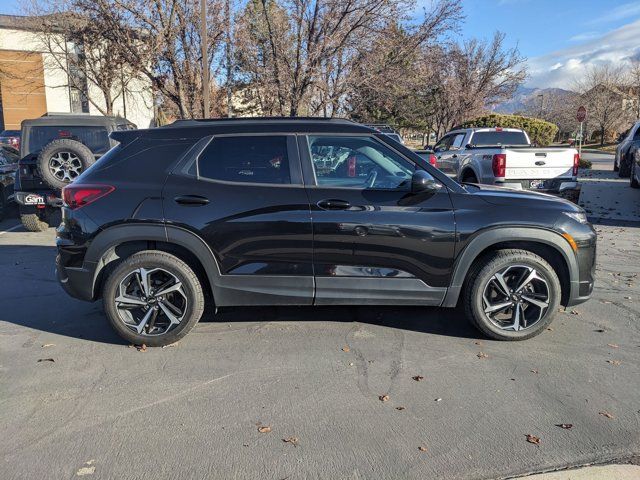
(582, 114)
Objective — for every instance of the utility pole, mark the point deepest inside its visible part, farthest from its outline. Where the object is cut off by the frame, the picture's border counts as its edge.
(228, 52)
(205, 59)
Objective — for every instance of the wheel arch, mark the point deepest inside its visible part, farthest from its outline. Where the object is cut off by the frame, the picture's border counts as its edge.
(468, 169)
(546, 243)
(121, 241)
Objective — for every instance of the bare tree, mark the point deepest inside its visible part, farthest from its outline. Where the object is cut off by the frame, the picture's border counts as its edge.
(161, 39)
(600, 92)
(473, 76)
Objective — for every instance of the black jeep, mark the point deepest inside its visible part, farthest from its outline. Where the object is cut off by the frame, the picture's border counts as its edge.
(54, 151)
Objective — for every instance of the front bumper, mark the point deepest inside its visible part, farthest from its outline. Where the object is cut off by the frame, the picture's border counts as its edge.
(582, 287)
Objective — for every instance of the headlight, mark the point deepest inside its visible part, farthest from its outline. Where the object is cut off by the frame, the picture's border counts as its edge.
(579, 217)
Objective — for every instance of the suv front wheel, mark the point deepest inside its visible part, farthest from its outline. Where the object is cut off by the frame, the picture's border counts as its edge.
(153, 298)
(512, 295)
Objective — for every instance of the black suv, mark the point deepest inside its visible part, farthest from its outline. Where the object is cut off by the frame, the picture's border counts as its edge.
(54, 151)
(308, 212)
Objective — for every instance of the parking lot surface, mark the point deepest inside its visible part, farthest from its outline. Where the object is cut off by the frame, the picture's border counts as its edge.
(77, 401)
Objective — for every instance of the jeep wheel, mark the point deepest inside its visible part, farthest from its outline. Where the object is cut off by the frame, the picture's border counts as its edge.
(61, 161)
(153, 298)
(512, 295)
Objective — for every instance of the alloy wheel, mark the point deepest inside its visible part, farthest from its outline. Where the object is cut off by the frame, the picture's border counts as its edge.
(65, 166)
(516, 298)
(151, 302)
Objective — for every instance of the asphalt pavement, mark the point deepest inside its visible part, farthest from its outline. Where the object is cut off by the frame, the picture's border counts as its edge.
(77, 401)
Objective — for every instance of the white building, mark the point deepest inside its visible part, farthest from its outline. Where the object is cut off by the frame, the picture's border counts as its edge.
(33, 83)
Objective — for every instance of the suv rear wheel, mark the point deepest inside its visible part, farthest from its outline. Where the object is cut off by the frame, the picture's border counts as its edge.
(153, 298)
(512, 295)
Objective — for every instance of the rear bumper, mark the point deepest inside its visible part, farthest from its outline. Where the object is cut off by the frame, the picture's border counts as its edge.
(37, 199)
(556, 185)
(76, 281)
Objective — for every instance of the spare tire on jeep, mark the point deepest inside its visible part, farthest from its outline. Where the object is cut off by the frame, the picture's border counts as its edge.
(61, 161)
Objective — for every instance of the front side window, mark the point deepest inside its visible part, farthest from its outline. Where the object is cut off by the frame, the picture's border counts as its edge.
(358, 162)
(253, 159)
(457, 141)
(443, 144)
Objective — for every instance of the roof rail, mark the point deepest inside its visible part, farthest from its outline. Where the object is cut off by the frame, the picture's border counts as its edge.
(259, 119)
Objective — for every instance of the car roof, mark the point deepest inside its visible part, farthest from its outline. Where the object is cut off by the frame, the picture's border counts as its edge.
(78, 120)
(246, 125)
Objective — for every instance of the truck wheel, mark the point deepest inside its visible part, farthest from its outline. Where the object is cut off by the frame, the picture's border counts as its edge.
(61, 161)
(512, 295)
(153, 298)
(624, 168)
(633, 180)
(33, 223)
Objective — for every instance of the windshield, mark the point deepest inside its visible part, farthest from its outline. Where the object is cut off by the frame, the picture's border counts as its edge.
(483, 139)
(96, 138)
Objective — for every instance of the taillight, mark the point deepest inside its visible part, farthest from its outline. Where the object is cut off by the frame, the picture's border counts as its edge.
(433, 160)
(76, 196)
(576, 163)
(499, 165)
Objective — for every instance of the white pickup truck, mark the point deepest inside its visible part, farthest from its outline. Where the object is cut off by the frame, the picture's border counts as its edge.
(505, 157)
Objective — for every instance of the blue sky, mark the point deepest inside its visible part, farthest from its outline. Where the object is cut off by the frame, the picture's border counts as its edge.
(560, 38)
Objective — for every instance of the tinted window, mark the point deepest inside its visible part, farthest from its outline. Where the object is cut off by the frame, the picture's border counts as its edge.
(258, 159)
(480, 139)
(443, 144)
(96, 138)
(358, 162)
(457, 140)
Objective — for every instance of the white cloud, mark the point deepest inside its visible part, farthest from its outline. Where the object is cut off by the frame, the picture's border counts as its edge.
(561, 68)
(621, 12)
(581, 37)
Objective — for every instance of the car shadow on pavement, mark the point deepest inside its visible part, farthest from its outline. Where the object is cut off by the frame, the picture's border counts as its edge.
(31, 297)
(431, 320)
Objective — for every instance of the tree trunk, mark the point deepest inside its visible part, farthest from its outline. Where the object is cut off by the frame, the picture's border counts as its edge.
(602, 136)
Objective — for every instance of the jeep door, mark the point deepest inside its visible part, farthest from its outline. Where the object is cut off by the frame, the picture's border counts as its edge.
(243, 195)
(374, 241)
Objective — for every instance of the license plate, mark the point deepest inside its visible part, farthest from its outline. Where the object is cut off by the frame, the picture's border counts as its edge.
(537, 184)
(33, 199)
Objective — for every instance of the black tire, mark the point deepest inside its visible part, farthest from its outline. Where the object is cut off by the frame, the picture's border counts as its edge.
(633, 181)
(3, 205)
(482, 273)
(61, 161)
(166, 263)
(32, 222)
(469, 178)
(624, 168)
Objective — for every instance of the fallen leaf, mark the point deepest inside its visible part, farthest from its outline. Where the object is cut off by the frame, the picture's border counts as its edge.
(550, 329)
(46, 360)
(351, 364)
(418, 378)
(606, 414)
(438, 399)
(478, 342)
(600, 330)
(170, 345)
(384, 398)
(533, 439)
(422, 449)
(566, 426)
(575, 312)
(141, 348)
(612, 345)
(614, 362)
(292, 440)
(399, 408)
(345, 348)
(86, 471)
(48, 345)
(482, 355)
(535, 370)
(264, 429)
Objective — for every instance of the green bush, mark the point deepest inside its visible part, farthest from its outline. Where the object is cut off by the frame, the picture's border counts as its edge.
(540, 132)
(584, 163)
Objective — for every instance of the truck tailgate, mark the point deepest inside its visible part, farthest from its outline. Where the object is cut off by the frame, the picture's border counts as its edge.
(539, 163)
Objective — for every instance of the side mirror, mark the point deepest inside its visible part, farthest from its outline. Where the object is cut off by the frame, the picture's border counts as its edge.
(421, 181)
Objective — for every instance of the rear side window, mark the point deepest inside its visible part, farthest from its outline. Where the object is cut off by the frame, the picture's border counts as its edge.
(254, 159)
(96, 138)
(486, 139)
